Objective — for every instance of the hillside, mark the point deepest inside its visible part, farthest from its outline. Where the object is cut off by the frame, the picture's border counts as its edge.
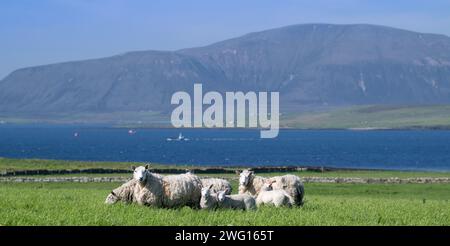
(312, 66)
(373, 117)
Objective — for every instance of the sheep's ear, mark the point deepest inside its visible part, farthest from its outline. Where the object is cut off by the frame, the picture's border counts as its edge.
(210, 186)
(133, 167)
(147, 166)
(238, 172)
(251, 172)
(112, 193)
(273, 181)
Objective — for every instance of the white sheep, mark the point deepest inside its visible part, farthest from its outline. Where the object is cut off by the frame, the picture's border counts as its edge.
(210, 200)
(239, 201)
(217, 185)
(166, 191)
(269, 196)
(252, 184)
(124, 193)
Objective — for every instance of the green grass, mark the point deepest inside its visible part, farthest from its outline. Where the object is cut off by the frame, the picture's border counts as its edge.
(365, 116)
(435, 116)
(33, 164)
(122, 118)
(326, 204)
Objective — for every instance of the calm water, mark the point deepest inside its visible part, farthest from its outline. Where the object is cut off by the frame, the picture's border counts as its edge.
(413, 150)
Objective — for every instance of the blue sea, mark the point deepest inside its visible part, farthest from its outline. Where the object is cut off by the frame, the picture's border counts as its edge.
(378, 149)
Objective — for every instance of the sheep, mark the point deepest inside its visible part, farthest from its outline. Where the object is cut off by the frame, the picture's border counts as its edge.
(217, 185)
(239, 201)
(268, 195)
(208, 200)
(124, 193)
(211, 200)
(166, 191)
(252, 184)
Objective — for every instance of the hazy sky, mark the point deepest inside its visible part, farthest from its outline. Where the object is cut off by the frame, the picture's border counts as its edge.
(47, 31)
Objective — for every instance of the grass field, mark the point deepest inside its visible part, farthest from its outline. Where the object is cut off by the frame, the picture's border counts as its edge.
(379, 116)
(326, 204)
(364, 116)
(33, 164)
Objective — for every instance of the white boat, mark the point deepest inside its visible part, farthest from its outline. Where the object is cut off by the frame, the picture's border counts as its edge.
(180, 138)
(131, 132)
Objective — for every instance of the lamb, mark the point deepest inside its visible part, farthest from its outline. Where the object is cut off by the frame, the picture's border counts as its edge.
(252, 184)
(217, 185)
(273, 197)
(211, 200)
(208, 200)
(166, 191)
(124, 193)
(239, 201)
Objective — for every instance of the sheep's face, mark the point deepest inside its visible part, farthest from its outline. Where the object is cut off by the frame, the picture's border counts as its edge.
(221, 196)
(206, 192)
(245, 177)
(267, 186)
(140, 173)
(111, 198)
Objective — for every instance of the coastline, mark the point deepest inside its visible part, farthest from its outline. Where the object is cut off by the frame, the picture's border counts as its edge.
(168, 126)
(31, 167)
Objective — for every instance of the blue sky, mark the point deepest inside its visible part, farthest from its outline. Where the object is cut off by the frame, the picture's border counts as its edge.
(49, 31)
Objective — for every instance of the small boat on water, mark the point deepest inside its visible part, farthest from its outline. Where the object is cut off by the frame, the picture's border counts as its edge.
(76, 134)
(131, 132)
(180, 138)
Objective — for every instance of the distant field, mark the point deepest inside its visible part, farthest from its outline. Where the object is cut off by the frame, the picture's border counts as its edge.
(121, 118)
(366, 116)
(437, 116)
(33, 164)
(326, 204)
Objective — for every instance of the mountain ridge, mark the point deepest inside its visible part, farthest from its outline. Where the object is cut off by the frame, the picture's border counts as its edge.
(312, 65)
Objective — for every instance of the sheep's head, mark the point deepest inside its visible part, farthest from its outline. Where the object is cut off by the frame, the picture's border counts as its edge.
(245, 177)
(268, 185)
(140, 173)
(221, 195)
(207, 201)
(206, 192)
(111, 198)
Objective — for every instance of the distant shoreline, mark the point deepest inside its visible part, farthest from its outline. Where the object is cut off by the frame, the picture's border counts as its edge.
(41, 167)
(114, 126)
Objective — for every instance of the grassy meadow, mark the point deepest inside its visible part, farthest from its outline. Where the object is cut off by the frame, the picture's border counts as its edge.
(326, 204)
(372, 116)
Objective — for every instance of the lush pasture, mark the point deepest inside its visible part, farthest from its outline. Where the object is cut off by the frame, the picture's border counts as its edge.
(33, 164)
(326, 204)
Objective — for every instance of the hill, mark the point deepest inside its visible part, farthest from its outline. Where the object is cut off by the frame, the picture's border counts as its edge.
(312, 66)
